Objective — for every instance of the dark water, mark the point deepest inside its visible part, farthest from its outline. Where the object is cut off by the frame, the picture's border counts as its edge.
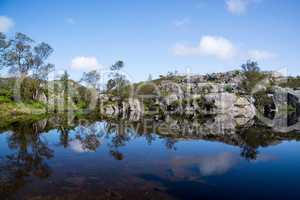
(99, 159)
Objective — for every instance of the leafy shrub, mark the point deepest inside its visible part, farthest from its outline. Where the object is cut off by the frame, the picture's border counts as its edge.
(206, 89)
(146, 89)
(5, 99)
(262, 100)
(82, 104)
(6, 87)
(251, 80)
(292, 82)
(29, 89)
(35, 104)
(252, 74)
(228, 88)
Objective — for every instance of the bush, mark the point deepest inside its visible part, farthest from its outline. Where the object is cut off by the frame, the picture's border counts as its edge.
(29, 88)
(292, 82)
(206, 89)
(251, 79)
(35, 104)
(5, 99)
(262, 100)
(82, 104)
(6, 87)
(147, 89)
(228, 88)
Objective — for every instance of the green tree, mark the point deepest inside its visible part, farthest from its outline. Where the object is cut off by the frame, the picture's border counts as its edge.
(117, 83)
(41, 69)
(19, 57)
(91, 78)
(117, 66)
(252, 74)
(250, 66)
(27, 61)
(90, 95)
(4, 44)
(65, 82)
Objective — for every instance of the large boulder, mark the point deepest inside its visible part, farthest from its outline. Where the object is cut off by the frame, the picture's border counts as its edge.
(239, 108)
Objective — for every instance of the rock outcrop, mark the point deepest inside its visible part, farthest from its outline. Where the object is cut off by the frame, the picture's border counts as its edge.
(231, 109)
(218, 94)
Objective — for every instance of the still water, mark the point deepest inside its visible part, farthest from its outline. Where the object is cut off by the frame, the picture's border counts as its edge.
(100, 159)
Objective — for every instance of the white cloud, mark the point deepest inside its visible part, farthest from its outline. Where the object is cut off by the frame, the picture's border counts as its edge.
(86, 63)
(70, 21)
(239, 7)
(218, 164)
(77, 146)
(208, 165)
(182, 22)
(6, 24)
(219, 47)
(261, 55)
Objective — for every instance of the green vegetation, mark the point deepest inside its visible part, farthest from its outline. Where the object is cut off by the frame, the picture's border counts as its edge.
(228, 88)
(262, 100)
(253, 76)
(28, 90)
(26, 63)
(287, 108)
(8, 123)
(12, 109)
(118, 85)
(291, 82)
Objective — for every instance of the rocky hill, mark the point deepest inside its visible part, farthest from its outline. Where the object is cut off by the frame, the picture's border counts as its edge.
(222, 95)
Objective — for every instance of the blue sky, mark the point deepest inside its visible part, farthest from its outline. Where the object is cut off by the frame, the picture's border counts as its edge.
(154, 37)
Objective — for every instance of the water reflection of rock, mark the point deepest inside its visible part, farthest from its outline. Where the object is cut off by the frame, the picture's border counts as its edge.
(31, 151)
(249, 138)
(210, 125)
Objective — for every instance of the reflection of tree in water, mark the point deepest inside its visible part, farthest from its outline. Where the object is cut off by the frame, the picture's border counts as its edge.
(30, 151)
(64, 138)
(88, 142)
(64, 126)
(249, 153)
(150, 138)
(89, 135)
(120, 136)
(170, 144)
(251, 139)
(116, 154)
(119, 133)
(28, 159)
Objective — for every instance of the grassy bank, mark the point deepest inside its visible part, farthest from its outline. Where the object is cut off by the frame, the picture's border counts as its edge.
(11, 108)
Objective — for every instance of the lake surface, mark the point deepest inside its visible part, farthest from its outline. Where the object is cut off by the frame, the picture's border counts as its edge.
(100, 159)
